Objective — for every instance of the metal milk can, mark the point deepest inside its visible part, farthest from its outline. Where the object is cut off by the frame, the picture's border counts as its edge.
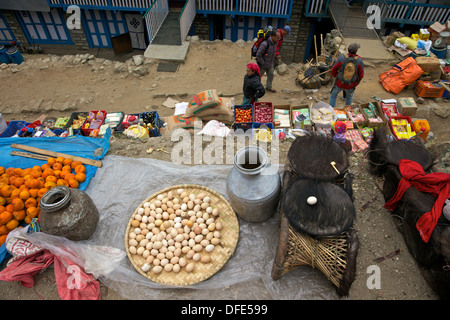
(69, 213)
(253, 185)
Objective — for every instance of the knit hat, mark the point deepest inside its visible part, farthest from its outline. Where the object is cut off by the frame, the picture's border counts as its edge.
(340, 127)
(353, 47)
(288, 29)
(254, 67)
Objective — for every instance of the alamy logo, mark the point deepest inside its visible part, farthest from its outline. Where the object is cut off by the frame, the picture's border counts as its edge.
(74, 20)
(373, 17)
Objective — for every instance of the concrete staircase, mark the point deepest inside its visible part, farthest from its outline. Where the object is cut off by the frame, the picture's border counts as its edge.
(169, 32)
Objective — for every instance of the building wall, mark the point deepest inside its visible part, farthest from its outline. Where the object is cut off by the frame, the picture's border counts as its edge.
(15, 27)
(294, 45)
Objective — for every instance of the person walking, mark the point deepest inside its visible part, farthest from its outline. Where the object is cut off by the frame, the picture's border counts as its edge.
(253, 88)
(283, 32)
(348, 71)
(265, 57)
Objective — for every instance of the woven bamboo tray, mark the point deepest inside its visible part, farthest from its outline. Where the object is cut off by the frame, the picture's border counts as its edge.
(219, 256)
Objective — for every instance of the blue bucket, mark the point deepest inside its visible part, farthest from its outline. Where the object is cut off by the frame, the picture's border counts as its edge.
(439, 52)
(14, 55)
(3, 57)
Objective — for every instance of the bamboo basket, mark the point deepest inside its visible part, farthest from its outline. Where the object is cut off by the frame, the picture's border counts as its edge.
(334, 256)
(220, 255)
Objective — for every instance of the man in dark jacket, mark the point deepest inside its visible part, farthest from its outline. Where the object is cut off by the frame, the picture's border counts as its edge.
(265, 57)
(337, 71)
(253, 88)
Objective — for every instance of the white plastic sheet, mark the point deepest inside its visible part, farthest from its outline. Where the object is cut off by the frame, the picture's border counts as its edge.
(118, 188)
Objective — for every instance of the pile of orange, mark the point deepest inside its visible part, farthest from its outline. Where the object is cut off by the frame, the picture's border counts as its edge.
(22, 189)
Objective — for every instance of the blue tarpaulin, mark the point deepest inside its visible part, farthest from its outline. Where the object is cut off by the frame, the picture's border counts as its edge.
(80, 146)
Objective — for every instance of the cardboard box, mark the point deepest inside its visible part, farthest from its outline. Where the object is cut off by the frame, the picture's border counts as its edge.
(406, 106)
(435, 29)
(424, 34)
(282, 116)
(428, 64)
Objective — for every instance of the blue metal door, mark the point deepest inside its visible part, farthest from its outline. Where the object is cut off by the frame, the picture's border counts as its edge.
(44, 27)
(6, 35)
(100, 26)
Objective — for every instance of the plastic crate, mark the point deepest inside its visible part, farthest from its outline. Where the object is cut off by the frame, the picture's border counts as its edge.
(391, 126)
(157, 125)
(446, 94)
(119, 124)
(427, 89)
(73, 116)
(87, 131)
(13, 127)
(244, 107)
(125, 124)
(261, 105)
(244, 126)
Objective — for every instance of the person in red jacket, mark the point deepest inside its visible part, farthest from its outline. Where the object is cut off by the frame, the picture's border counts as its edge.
(348, 71)
(283, 31)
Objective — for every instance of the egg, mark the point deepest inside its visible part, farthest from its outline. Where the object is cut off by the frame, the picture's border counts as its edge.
(215, 212)
(145, 267)
(209, 248)
(141, 211)
(176, 268)
(132, 250)
(157, 269)
(311, 200)
(206, 258)
(215, 241)
(146, 204)
(197, 257)
(207, 199)
(180, 191)
(160, 197)
(190, 267)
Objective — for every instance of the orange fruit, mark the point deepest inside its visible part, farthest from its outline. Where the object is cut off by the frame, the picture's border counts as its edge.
(49, 184)
(45, 166)
(33, 184)
(10, 208)
(67, 168)
(2, 201)
(9, 171)
(34, 192)
(73, 183)
(60, 159)
(24, 194)
(80, 169)
(75, 164)
(11, 180)
(27, 177)
(42, 191)
(51, 179)
(15, 194)
(27, 219)
(35, 174)
(57, 166)
(41, 182)
(62, 182)
(67, 161)
(18, 172)
(2, 170)
(3, 230)
(2, 208)
(47, 172)
(57, 173)
(19, 215)
(12, 224)
(2, 239)
(17, 204)
(80, 177)
(37, 168)
(30, 202)
(19, 181)
(69, 176)
(32, 212)
(51, 161)
(6, 191)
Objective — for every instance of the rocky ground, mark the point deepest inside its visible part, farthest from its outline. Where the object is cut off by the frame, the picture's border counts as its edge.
(59, 85)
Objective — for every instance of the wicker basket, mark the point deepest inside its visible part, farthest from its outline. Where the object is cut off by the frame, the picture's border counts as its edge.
(220, 255)
(334, 256)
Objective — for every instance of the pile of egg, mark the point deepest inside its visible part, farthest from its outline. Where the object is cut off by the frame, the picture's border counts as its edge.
(175, 231)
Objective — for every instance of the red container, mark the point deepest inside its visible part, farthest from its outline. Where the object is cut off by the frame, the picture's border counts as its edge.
(257, 107)
(87, 130)
(391, 125)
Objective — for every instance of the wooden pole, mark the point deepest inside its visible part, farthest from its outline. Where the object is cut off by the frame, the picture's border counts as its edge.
(91, 162)
(315, 47)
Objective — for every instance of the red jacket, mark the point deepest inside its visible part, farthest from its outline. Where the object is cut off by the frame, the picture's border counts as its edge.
(280, 42)
(337, 67)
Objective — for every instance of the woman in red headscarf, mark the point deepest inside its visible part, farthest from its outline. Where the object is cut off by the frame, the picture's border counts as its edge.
(253, 88)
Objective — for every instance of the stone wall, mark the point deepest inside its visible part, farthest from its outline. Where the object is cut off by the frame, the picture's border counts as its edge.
(15, 27)
(201, 27)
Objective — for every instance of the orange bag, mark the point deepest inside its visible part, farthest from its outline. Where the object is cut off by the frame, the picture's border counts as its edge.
(401, 75)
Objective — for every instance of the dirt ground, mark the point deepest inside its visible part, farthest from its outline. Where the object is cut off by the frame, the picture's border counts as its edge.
(57, 86)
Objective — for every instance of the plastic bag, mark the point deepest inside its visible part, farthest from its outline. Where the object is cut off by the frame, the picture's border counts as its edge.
(137, 131)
